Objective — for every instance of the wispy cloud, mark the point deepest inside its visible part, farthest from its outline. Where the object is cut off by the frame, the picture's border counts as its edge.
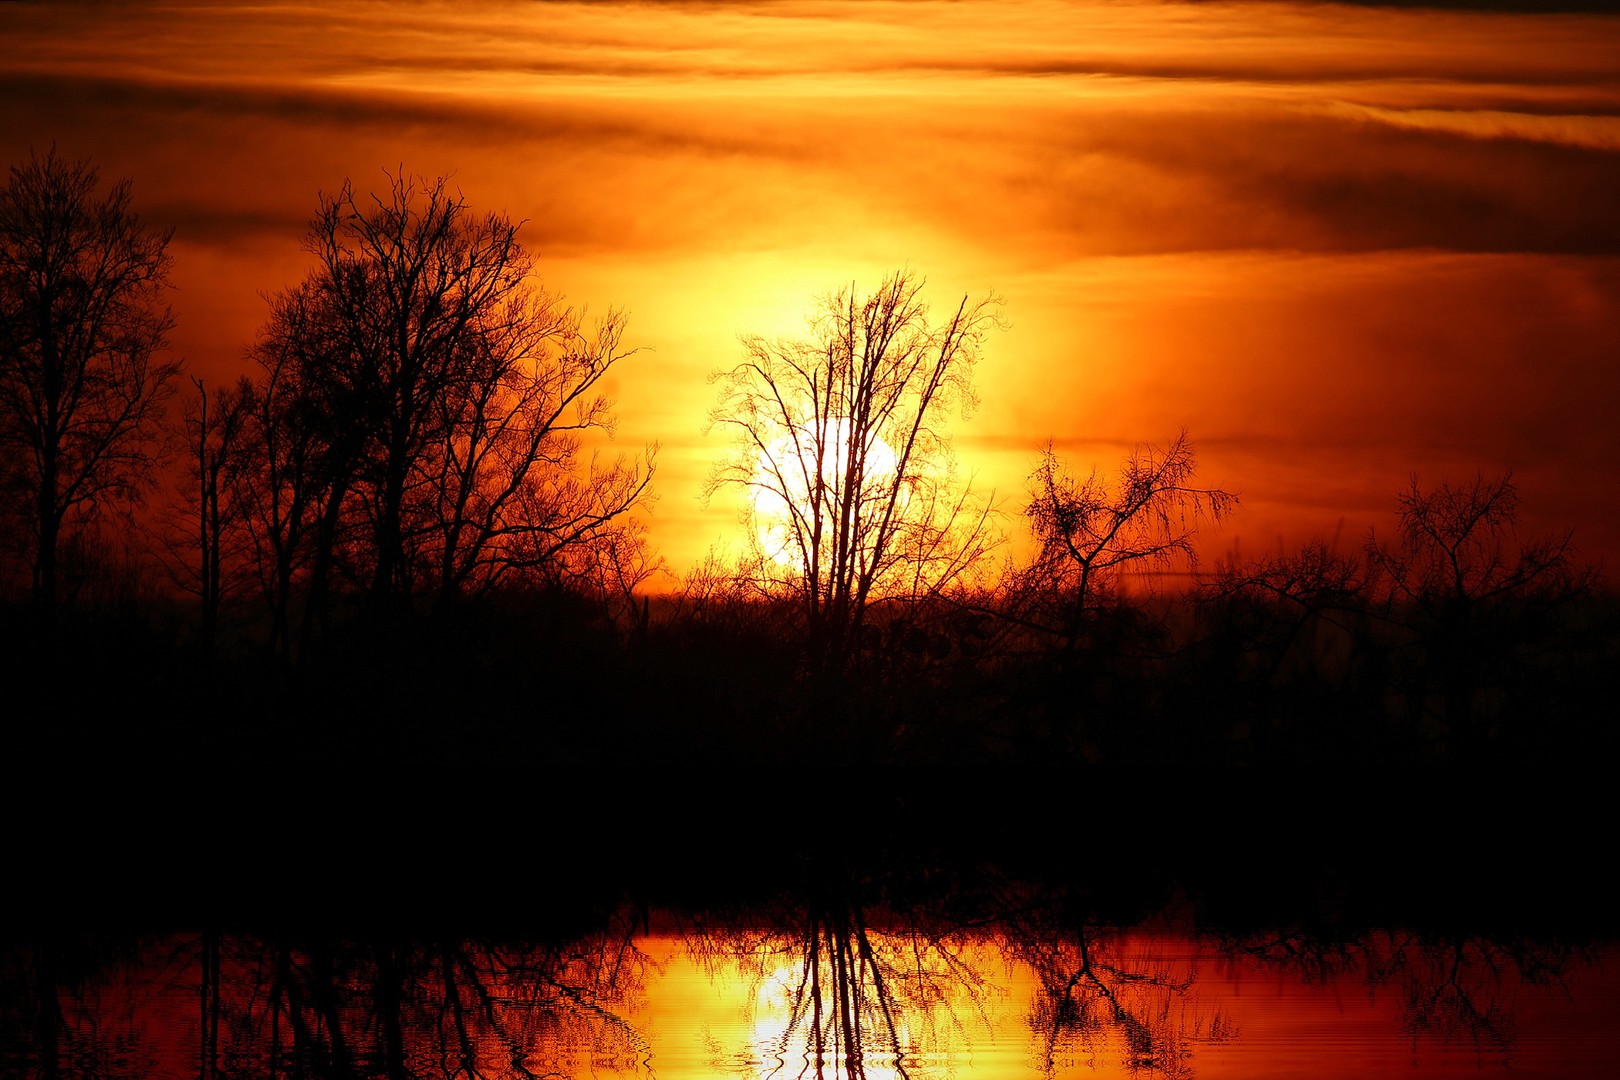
(1383, 235)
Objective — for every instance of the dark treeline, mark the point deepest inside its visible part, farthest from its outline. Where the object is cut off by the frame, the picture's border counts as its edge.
(385, 546)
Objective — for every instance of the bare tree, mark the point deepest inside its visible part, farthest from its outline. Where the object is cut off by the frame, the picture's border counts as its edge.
(502, 493)
(1304, 612)
(303, 443)
(1090, 531)
(1474, 594)
(424, 407)
(82, 326)
(203, 538)
(841, 445)
(1459, 547)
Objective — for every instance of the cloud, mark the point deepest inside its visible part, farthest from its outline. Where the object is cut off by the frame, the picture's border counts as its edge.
(1336, 242)
(1582, 132)
(1075, 129)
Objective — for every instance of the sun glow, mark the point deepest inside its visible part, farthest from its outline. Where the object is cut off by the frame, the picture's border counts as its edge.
(786, 1017)
(801, 477)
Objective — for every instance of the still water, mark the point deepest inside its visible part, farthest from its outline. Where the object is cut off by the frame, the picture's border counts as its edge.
(828, 997)
(773, 928)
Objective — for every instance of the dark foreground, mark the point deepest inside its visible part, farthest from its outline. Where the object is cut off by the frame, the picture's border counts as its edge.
(533, 763)
(520, 845)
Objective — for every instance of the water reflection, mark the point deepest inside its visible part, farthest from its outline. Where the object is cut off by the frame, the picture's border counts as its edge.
(1102, 995)
(1449, 991)
(917, 938)
(828, 987)
(834, 989)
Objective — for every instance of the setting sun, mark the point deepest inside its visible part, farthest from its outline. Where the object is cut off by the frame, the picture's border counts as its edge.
(1160, 191)
(807, 465)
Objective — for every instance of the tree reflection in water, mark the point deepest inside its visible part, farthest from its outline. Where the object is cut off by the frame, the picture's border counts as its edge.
(452, 1008)
(858, 992)
(323, 1006)
(870, 986)
(848, 983)
(1455, 991)
(1097, 984)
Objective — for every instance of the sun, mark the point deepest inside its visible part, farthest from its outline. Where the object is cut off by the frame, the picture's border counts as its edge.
(786, 474)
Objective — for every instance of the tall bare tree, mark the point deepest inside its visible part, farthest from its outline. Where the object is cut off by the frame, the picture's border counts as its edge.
(201, 530)
(842, 448)
(83, 324)
(424, 406)
(501, 493)
(303, 441)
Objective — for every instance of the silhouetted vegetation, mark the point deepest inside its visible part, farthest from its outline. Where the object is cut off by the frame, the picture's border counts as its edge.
(388, 547)
(418, 420)
(843, 452)
(83, 382)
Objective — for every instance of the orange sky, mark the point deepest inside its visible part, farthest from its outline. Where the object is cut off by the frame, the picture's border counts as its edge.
(1339, 244)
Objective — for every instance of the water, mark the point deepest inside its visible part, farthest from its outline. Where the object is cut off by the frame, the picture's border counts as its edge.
(777, 927)
(680, 1004)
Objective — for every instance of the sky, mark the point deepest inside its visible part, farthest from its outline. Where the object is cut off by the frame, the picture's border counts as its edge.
(1340, 245)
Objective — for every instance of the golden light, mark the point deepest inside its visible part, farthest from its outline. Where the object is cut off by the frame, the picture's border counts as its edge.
(782, 1031)
(790, 483)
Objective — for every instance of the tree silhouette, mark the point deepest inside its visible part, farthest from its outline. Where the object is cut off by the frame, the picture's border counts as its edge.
(841, 446)
(82, 324)
(422, 410)
(1090, 531)
(297, 471)
(203, 538)
(1477, 599)
(1459, 546)
(1288, 635)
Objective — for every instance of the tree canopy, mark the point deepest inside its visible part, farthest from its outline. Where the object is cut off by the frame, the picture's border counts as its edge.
(83, 379)
(841, 443)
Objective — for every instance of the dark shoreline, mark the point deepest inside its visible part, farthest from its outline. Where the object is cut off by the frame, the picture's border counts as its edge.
(1432, 851)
